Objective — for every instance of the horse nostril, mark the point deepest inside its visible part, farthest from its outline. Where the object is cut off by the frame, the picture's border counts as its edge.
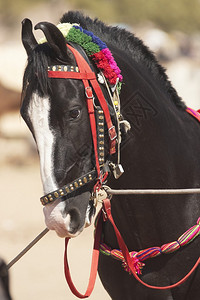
(75, 220)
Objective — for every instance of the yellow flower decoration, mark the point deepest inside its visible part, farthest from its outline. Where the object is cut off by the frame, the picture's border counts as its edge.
(63, 27)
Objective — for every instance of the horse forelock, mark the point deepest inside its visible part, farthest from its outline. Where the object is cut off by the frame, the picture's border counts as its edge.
(36, 70)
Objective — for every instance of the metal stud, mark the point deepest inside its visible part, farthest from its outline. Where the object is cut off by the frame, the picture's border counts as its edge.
(76, 184)
(100, 117)
(80, 182)
(67, 189)
(101, 142)
(56, 194)
(85, 179)
(90, 177)
(101, 154)
(71, 187)
(61, 192)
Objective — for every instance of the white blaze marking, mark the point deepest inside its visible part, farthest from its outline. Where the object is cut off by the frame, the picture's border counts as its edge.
(55, 218)
(38, 111)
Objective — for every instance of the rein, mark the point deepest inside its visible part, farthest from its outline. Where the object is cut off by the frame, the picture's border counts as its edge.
(131, 262)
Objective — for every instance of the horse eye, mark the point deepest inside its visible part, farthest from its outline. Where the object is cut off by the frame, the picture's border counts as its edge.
(75, 113)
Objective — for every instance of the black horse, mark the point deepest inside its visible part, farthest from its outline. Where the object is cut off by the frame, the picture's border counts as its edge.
(160, 151)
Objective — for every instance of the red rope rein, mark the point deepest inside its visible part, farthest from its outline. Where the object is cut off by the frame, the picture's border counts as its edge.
(142, 255)
(131, 262)
(94, 265)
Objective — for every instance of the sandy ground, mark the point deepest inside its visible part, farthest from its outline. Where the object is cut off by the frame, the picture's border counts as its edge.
(39, 274)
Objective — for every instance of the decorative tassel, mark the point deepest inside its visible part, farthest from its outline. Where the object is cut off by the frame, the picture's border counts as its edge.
(137, 264)
(138, 257)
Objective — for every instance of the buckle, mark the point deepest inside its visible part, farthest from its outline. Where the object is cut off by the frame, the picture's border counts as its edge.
(112, 134)
(88, 92)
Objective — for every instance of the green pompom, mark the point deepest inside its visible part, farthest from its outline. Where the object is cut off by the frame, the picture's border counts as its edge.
(75, 35)
(84, 40)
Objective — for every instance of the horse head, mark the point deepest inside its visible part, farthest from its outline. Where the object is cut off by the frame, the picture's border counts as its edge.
(56, 113)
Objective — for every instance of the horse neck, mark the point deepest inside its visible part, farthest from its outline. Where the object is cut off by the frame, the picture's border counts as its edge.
(156, 154)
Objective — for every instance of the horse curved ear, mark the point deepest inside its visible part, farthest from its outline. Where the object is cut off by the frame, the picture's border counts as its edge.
(55, 39)
(28, 38)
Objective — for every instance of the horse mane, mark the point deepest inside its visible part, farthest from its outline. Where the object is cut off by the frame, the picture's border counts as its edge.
(130, 44)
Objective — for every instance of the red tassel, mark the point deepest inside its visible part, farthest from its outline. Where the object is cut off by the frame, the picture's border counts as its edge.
(138, 265)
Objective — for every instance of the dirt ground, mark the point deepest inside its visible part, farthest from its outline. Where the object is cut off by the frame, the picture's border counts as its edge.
(39, 274)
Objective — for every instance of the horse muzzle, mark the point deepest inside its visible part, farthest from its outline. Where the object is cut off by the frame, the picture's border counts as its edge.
(68, 218)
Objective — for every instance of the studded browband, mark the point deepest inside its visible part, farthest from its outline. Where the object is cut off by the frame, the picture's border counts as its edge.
(63, 68)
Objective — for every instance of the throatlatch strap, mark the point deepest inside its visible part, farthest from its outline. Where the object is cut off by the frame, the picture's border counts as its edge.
(94, 265)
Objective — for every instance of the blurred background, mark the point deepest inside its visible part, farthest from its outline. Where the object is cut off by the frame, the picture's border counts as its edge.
(171, 29)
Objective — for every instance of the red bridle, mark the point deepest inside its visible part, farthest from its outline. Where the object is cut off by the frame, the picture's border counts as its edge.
(83, 72)
(89, 80)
